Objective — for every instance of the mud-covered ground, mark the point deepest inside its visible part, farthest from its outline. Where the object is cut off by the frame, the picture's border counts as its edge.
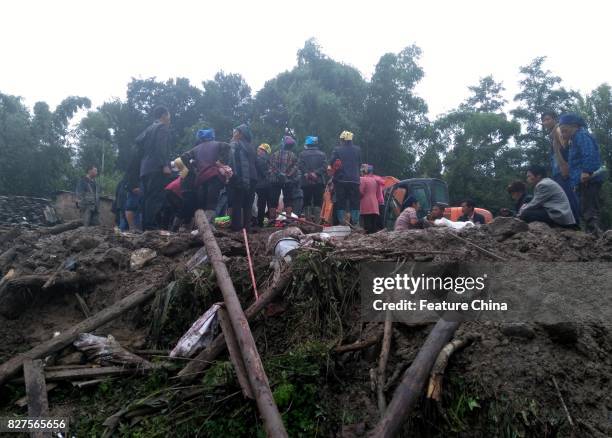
(501, 385)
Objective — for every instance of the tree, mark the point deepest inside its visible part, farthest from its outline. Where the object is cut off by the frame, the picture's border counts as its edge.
(486, 96)
(319, 97)
(226, 102)
(540, 91)
(395, 120)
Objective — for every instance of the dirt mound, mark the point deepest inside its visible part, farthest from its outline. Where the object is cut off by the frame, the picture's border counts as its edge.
(499, 386)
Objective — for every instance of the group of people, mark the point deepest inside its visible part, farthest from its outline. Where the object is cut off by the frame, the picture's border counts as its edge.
(571, 194)
(226, 178)
(230, 178)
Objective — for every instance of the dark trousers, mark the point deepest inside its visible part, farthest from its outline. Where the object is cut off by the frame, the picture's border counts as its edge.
(264, 200)
(288, 193)
(153, 199)
(241, 202)
(347, 193)
(208, 194)
(313, 195)
(571, 196)
(537, 214)
(590, 203)
(370, 223)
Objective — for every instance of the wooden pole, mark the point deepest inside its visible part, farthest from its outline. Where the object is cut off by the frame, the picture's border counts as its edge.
(234, 352)
(36, 391)
(218, 345)
(12, 366)
(382, 364)
(268, 410)
(410, 388)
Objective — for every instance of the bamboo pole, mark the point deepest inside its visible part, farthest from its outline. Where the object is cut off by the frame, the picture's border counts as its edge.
(268, 410)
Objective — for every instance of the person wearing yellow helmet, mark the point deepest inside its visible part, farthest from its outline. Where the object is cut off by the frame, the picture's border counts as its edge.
(346, 161)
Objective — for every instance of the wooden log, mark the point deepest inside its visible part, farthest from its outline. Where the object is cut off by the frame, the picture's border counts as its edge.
(268, 410)
(36, 392)
(83, 305)
(218, 345)
(94, 372)
(359, 345)
(6, 258)
(382, 364)
(58, 229)
(234, 353)
(434, 389)
(12, 366)
(23, 401)
(415, 378)
(20, 292)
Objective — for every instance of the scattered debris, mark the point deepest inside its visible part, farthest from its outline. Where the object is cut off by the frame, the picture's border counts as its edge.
(141, 257)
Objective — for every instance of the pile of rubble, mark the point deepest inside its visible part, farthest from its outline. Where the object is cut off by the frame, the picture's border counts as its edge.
(16, 210)
(151, 287)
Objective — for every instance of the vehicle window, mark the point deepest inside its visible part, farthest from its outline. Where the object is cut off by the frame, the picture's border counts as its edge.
(440, 193)
(421, 195)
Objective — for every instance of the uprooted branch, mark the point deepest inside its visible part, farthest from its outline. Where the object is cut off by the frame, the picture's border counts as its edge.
(434, 389)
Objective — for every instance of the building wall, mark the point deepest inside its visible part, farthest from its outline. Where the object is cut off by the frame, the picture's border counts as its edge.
(65, 205)
(42, 211)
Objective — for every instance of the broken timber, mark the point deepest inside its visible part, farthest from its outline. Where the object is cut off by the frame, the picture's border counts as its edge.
(12, 366)
(415, 378)
(234, 353)
(36, 392)
(217, 346)
(268, 410)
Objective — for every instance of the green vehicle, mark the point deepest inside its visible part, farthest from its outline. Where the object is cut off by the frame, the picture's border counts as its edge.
(428, 191)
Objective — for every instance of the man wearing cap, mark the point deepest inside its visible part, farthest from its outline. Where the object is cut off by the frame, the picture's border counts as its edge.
(264, 199)
(241, 187)
(284, 175)
(345, 162)
(584, 161)
(559, 156)
(155, 171)
(312, 164)
(201, 170)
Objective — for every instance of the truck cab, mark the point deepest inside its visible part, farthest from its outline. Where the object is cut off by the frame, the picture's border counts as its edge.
(428, 191)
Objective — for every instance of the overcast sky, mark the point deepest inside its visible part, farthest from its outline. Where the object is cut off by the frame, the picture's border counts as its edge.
(52, 49)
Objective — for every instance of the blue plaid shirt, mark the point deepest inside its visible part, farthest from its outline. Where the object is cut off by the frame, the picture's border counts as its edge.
(583, 156)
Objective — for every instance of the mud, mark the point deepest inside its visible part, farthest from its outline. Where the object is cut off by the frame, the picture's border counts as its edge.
(510, 367)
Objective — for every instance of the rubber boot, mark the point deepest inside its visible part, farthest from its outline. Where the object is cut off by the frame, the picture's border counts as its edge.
(355, 217)
(340, 214)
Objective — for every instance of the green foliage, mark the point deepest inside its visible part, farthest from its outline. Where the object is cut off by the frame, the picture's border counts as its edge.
(540, 91)
(395, 119)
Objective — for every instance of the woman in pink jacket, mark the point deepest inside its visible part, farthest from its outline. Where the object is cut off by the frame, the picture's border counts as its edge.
(370, 189)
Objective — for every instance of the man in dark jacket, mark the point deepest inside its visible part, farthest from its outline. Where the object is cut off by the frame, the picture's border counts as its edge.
(518, 192)
(345, 162)
(154, 166)
(88, 197)
(241, 187)
(467, 208)
(312, 164)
